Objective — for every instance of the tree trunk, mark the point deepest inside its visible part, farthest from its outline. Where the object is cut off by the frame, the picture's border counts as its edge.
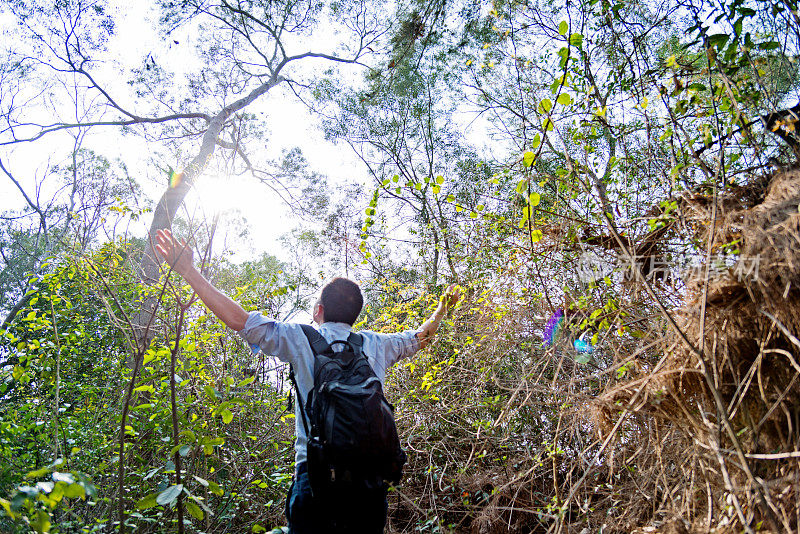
(171, 201)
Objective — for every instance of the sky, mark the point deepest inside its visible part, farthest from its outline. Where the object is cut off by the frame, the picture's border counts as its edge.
(289, 122)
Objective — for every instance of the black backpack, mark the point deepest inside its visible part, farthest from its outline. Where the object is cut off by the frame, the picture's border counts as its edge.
(353, 444)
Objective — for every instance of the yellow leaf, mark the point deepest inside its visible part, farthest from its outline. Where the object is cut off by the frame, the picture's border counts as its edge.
(42, 523)
(7, 507)
(194, 510)
(528, 158)
(227, 416)
(215, 488)
(564, 99)
(536, 236)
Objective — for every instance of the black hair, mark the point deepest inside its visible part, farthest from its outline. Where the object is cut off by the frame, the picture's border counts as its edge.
(341, 301)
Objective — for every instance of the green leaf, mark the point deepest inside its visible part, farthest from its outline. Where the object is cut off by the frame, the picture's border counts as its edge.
(194, 510)
(563, 27)
(440, 180)
(58, 491)
(215, 489)
(167, 496)
(769, 45)
(545, 106)
(564, 99)
(7, 507)
(528, 158)
(38, 473)
(534, 199)
(147, 502)
(537, 140)
(42, 523)
(75, 491)
(576, 40)
(717, 40)
(583, 358)
(209, 444)
(227, 416)
(246, 381)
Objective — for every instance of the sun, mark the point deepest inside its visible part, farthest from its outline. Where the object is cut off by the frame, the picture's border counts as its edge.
(217, 194)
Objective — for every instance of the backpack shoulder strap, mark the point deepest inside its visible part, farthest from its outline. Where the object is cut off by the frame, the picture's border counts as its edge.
(315, 339)
(357, 342)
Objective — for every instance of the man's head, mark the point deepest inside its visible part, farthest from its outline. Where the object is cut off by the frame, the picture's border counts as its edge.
(340, 302)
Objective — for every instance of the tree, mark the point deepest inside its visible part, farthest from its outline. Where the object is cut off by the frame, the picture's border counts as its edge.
(88, 196)
(252, 48)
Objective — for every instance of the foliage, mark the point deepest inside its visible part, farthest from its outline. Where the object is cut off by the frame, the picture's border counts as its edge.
(612, 160)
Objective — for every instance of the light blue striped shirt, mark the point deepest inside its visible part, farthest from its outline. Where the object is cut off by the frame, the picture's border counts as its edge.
(287, 342)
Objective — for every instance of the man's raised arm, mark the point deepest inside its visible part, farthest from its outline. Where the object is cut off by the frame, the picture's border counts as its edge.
(179, 256)
(428, 329)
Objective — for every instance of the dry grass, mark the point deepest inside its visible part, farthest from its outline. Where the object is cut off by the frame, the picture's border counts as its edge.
(513, 437)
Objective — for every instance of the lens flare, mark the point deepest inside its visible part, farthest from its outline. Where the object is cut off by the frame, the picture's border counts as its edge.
(553, 327)
(553, 330)
(175, 179)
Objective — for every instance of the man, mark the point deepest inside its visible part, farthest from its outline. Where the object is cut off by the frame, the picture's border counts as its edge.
(335, 312)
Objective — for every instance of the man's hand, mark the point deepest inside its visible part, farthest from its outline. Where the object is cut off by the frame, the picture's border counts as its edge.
(179, 255)
(174, 252)
(451, 296)
(446, 302)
